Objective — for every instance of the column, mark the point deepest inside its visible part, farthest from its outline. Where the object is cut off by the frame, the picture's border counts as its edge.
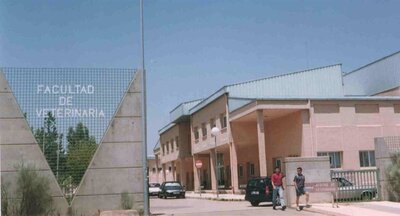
(213, 159)
(196, 176)
(234, 168)
(182, 173)
(261, 143)
(164, 172)
(173, 170)
(157, 172)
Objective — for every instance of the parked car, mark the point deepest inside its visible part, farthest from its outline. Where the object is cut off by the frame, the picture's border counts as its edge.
(171, 189)
(154, 189)
(348, 190)
(259, 190)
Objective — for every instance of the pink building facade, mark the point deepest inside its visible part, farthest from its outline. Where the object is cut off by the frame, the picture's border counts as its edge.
(317, 112)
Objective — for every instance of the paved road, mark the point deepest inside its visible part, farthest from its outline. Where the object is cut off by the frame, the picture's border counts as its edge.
(197, 207)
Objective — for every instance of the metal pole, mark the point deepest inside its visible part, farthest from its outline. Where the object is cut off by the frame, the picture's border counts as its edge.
(144, 119)
(58, 158)
(44, 136)
(198, 176)
(216, 164)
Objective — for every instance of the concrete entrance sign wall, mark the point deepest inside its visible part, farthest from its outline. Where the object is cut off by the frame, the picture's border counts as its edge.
(315, 169)
(115, 168)
(17, 144)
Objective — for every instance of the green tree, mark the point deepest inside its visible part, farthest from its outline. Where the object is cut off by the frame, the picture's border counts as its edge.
(81, 147)
(51, 143)
(394, 176)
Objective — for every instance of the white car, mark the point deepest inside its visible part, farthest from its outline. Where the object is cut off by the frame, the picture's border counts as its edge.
(154, 189)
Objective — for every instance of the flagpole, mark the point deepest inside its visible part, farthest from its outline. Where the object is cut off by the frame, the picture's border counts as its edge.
(144, 119)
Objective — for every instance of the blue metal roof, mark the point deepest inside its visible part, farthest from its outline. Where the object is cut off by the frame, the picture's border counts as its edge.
(182, 110)
(157, 146)
(373, 78)
(319, 82)
(353, 98)
(166, 127)
(323, 82)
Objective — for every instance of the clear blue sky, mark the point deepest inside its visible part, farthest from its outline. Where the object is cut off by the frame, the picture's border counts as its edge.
(195, 47)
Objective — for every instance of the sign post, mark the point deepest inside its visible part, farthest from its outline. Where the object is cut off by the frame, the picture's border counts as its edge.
(199, 165)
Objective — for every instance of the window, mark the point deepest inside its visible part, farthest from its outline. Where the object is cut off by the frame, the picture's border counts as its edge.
(204, 130)
(278, 163)
(196, 133)
(177, 142)
(154, 169)
(172, 145)
(367, 158)
(170, 169)
(335, 158)
(326, 108)
(222, 120)
(212, 123)
(167, 147)
(163, 149)
(397, 108)
(159, 169)
(252, 170)
(367, 108)
(240, 170)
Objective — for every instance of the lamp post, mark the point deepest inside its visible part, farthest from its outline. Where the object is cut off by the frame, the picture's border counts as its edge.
(215, 131)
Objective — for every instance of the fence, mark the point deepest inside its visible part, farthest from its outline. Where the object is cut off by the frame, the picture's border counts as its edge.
(358, 185)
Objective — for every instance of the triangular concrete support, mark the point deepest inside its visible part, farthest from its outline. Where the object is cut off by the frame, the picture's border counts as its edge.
(18, 145)
(117, 165)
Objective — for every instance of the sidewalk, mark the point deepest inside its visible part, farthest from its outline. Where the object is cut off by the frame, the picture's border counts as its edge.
(365, 209)
(221, 197)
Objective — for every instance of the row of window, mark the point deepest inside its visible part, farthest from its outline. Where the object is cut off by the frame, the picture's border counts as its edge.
(359, 108)
(160, 169)
(367, 158)
(173, 143)
(250, 169)
(204, 129)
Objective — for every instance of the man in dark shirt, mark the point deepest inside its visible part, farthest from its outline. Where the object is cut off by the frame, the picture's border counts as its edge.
(276, 179)
(299, 181)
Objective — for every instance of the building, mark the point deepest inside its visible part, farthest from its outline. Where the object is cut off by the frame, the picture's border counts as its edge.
(154, 170)
(316, 112)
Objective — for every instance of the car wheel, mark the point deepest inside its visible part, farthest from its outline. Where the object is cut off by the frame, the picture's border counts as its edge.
(366, 196)
(165, 196)
(254, 203)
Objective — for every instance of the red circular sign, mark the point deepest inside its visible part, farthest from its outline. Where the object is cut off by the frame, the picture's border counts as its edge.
(199, 164)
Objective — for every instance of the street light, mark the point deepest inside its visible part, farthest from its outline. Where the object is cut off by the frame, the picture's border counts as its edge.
(214, 132)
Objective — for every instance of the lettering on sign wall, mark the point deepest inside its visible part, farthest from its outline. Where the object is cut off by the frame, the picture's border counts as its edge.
(66, 95)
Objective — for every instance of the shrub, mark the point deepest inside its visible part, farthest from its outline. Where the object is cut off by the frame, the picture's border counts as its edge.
(4, 201)
(394, 176)
(31, 197)
(126, 201)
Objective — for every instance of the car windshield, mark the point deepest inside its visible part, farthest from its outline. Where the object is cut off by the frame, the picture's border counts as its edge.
(343, 182)
(154, 185)
(256, 183)
(173, 186)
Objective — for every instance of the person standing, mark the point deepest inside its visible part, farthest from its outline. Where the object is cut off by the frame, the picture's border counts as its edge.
(299, 181)
(277, 185)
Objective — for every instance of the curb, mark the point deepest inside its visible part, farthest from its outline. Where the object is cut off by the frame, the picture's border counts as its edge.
(325, 212)
(216, 199)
